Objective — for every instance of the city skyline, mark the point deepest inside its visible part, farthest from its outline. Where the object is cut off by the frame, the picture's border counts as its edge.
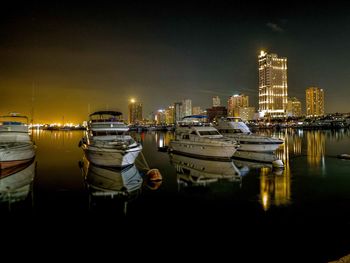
(68, 59)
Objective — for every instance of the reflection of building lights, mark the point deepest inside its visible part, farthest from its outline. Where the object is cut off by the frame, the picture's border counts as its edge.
(265, 201)
(161, 142)
(315, 147)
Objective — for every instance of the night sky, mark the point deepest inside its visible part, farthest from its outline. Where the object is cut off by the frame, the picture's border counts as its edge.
(67, 56)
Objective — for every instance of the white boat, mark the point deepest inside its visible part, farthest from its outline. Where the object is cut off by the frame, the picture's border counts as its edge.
(204, 170)
(107, 143)
(16, 182)
(197, 138)
(252, 146)
(16, 146)
(202, 141)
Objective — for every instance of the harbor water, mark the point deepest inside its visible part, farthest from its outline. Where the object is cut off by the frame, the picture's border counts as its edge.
(312, 191)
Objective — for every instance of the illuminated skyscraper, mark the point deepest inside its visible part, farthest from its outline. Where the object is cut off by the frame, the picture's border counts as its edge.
(273, 88)
(186, 107)
(314, 102)
(135, 112)
(196, 110)
(216, 101)
(293, 107)
(169, 115)
(160, 117)
(178, 111)
(235, 102)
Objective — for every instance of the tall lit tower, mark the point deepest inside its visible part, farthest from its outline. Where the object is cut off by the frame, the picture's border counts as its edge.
(235, 102)
(186, 107)
(216, 101)
(314, 102)
(273, 88)
(135, 112)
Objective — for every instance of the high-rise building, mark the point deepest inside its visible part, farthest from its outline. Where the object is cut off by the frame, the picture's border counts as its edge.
(216, 101)
(235, 102)
(186, 107)
(135, 112)
(160, 117)
(293, 107)
(273, 88)
(247, 113)
(216, 113)
(196, 110)
(178, 115)
(314, 102)
(169, 115)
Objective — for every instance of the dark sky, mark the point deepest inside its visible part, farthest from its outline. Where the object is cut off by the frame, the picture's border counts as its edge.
(72, 55)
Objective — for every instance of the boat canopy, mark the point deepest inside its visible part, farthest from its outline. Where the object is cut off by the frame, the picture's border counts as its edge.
(113, 113)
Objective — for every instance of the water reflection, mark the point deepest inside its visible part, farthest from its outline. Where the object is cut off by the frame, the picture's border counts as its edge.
(200, 172)
(275, 187)
(163, 139)
(316, 148)
(16, 183)
(275, 184)
(111, 187)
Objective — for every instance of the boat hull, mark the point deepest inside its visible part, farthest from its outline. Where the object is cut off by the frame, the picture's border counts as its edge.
(111, 157)
(203, 150)
(16, 154)
(264, 157)
(253, 143)
(16, 186)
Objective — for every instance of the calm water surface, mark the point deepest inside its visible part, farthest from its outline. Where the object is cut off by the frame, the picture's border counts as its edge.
(312, 191)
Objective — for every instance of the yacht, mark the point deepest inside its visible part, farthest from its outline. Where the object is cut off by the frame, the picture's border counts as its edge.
(16, 146)
(202, 141)
(106, 141)
(252, 147)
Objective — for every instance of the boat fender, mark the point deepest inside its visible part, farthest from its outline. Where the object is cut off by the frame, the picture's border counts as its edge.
(153, 179)
(278, 164)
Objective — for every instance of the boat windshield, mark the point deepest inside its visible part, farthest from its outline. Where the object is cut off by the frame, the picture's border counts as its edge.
(103, 133)
(208, 133)
(231, 131)
(13, 120)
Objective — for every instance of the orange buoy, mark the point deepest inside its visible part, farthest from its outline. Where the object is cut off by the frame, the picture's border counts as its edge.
(153, 179)
(154, 175)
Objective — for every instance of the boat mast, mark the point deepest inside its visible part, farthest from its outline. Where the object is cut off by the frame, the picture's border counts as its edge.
(32, 109)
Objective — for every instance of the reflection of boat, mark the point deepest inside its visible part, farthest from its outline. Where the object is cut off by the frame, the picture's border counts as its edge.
(16, 146)
(109, 181)
(252, 146)
(245, 165)
(16, 182)
(120, 185)
(197, 140)
(199, 171)
(106, 142)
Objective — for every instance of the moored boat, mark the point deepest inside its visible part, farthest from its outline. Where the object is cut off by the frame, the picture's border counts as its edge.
(16, 146)
(252, 147)
(202, 141)
(107, 143)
